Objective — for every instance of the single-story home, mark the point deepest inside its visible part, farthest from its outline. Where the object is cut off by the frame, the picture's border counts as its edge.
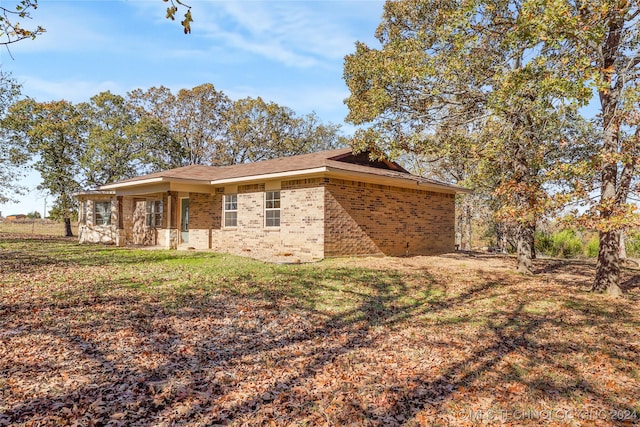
(306, 207)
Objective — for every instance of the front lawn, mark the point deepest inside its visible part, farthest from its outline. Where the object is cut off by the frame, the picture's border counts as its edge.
(95, 335)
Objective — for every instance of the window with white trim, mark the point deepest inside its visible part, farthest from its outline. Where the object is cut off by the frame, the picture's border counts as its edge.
(230, 210)
(154, 213)
(101, 213)
(272, 209)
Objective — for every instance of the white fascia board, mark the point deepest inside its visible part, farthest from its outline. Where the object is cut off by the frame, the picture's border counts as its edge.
(154, 181)
(268, 176)
(131, 183)
(337, 172)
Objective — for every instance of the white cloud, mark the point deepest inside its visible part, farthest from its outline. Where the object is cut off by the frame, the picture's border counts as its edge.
(297, 34)
(327, 102)
(71, 90)
(68, 29)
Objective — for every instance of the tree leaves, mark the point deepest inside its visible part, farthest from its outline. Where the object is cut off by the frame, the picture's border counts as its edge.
(11, 30)
(468, 77)
(12, 158)
(203, 126)
(53, 134)
(173, 9)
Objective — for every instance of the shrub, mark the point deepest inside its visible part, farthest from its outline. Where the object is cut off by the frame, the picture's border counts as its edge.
(632, 245)
(566, 244)
(592, 247)
(543, 243)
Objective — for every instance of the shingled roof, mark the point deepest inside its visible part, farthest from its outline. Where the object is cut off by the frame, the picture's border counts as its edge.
(340, 160)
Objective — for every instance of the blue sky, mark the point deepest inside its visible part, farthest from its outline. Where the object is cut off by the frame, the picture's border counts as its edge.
(290, 52)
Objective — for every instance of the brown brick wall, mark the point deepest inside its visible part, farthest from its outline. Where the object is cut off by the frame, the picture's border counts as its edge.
(250, 237)
(319, 217)
(125, 234)
(302, 218)
(367, 219)
(300, 235)
(203, 217)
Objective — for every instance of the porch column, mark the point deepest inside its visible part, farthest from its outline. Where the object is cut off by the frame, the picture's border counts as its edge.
(120, 234)
(172, 220)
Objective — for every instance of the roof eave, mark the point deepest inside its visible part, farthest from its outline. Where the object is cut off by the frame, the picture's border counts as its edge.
(267, 176)
(398, 181)
(94, 192)
(331, 170)
(147, 181)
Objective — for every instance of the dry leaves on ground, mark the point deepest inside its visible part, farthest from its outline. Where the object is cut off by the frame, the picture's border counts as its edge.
(105, 336)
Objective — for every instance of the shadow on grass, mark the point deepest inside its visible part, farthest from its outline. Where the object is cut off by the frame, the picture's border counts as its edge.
(255, 344)
(556, 265)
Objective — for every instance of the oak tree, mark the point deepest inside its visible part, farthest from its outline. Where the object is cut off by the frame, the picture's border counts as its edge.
(259, 130)
(203, 126)
(116, 144)
(445, 68)
(154, 108)
(600, 42)
(12, 157)
(54, 134)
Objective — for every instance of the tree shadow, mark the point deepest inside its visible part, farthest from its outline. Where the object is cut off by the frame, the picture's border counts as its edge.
(262, 349)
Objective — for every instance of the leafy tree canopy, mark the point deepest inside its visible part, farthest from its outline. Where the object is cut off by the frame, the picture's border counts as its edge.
(12, 157)
(510, 75)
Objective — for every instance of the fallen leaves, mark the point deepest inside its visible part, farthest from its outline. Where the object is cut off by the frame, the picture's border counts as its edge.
(344, 342)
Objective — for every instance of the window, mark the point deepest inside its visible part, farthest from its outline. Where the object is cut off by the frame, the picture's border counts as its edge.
(272, 209)
(154, 213)
(231, 210)
(102, 213)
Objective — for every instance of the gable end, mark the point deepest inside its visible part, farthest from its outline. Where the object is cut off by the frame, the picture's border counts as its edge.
(363, 159)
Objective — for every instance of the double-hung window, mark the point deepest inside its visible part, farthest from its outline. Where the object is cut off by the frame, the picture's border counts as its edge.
(101, 213)
(230, 210)
(154, 213)
(272, 209)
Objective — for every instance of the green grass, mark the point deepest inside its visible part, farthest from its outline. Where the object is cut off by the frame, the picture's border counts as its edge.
(167, 274)
(200, 338)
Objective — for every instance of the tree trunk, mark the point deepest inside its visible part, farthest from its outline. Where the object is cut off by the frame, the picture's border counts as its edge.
(533, 246)
(67, 228)
(459, 221)
(623, 247)
(467, 225)
(524, 239)
(503, 241)
(608, 268)
(501, 238)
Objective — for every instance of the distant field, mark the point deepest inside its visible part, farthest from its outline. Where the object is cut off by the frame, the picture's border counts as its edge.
(36, 227)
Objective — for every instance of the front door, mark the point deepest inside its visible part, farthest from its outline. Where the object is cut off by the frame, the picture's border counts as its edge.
(184, 220)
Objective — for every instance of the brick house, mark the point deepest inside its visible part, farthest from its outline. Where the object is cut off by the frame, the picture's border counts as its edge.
(305, 207)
